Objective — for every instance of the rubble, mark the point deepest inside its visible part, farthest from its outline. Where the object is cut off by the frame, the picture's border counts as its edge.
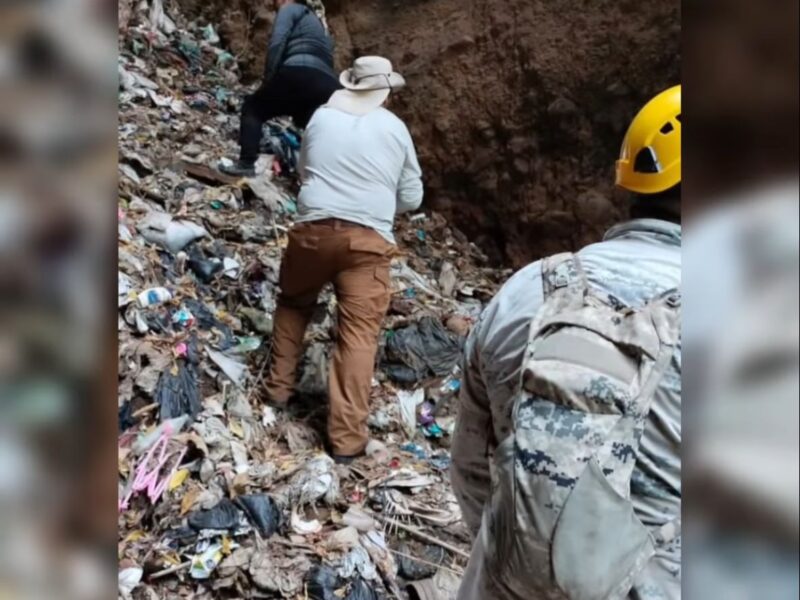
(218, 491)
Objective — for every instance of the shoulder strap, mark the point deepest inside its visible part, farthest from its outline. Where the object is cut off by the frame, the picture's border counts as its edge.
(564, 285)
(665, 312)
(562, 271)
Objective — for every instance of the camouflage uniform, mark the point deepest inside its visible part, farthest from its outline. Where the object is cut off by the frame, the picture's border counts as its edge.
(637, 262)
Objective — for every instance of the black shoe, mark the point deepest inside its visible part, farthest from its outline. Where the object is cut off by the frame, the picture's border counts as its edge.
(239, 169)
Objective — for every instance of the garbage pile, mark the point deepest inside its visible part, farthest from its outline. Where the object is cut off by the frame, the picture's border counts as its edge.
(219, 495)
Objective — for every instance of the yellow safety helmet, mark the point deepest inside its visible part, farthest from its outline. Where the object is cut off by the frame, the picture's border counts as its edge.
(650, 158)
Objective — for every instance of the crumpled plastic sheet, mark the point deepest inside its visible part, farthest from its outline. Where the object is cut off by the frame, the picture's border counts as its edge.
(173, 235)
(128, 579)
(317, 480)
(361, 590)
(358, 562)
(233, 369)
(208, 322)
(374, 542)
(314, 379)
(322, 583)
(261, 512)
(177, 393)
(145, 441)
(421, 350)
(409, 401)
(224, 516)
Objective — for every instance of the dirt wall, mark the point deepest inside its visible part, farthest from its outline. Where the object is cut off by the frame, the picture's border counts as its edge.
(517, 108)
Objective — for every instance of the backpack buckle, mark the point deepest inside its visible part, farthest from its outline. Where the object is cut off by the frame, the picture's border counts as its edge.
(674, 299)
(562, 275)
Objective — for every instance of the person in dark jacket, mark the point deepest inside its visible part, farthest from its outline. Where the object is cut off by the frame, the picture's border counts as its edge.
(298, 78)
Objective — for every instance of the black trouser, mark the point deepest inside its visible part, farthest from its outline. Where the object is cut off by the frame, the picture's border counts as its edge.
(293, 91)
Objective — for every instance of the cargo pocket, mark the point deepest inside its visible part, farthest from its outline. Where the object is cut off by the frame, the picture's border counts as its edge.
(599, 545)
(382, 276)
(368, 240)
(383, 289)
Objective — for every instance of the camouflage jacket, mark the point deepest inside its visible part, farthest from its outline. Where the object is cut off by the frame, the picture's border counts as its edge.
(634, 263)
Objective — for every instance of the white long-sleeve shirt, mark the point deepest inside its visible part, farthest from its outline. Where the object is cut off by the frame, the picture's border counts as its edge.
(362, 169)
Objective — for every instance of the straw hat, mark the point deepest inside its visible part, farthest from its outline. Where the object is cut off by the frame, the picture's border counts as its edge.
(367, 85)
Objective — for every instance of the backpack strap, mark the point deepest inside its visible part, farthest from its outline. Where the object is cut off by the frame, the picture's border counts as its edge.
(563, 272)
(665, 312)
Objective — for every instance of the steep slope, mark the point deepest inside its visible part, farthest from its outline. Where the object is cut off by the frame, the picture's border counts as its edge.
(517, 108)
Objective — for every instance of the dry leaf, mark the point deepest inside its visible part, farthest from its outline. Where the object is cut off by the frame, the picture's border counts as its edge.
(189, 499)
(239, 485)
(236, 429)
(177, 479)
(135, 536)
(226, 545)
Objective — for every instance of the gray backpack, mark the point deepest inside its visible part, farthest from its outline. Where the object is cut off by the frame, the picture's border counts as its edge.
(561, 521)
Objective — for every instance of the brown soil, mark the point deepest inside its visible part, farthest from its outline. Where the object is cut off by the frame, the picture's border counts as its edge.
(517, 108)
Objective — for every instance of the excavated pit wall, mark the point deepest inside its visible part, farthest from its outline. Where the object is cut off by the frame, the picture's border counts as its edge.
(517, 108)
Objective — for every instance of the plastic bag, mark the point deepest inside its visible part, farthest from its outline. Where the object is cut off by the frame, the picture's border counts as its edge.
(224, 517)
(414, 571)
(322, 583)
(261, 512)
(205, 269)
(177, 393)
(421, 350)
(361, 590)
(160, 228)
(206, 321)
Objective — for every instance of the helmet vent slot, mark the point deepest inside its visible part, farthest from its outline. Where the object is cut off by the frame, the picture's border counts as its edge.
(667, 128)
(646, 161)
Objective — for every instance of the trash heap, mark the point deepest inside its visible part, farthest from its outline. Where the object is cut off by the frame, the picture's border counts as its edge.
(219, 495)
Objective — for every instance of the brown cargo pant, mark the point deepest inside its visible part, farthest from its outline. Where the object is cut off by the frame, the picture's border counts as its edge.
(356, 260)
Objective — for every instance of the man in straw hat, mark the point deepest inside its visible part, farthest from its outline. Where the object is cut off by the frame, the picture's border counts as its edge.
(358, 168)
(298, 78)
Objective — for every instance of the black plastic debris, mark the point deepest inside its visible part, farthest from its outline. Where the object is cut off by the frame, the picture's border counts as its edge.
(205, 269)
(423, 349)
(322, 583)
(177, 393)
(223, 517)
(361, 590)
(261, 512)
(208, 322)
(413, 570)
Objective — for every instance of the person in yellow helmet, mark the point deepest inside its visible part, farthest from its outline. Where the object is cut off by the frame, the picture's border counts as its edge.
(649, 164)
(566, 453)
